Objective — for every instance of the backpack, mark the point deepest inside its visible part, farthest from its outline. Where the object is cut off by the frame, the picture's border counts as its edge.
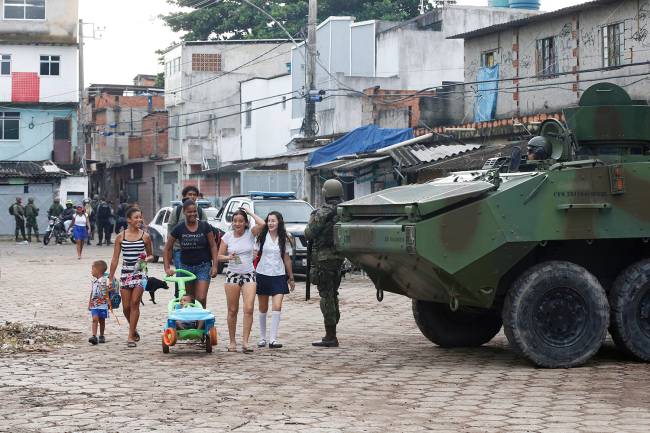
(114, 293)
(11, 210)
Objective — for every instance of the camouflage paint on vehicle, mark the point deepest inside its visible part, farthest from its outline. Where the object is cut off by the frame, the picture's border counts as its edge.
(466, 237)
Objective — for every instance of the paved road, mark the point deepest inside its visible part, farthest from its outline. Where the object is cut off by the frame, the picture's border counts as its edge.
(386, 377)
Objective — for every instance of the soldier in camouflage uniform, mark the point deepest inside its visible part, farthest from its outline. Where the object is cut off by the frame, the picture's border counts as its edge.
(31, 212)
(326, 262)
(18, 211)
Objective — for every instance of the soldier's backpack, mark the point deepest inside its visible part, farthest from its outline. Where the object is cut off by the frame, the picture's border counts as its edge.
(11, 209)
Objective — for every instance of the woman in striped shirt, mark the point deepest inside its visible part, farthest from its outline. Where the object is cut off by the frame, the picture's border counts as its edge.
(135, 246)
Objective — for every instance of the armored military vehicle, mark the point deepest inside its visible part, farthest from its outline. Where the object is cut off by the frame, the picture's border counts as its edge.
(555, 250)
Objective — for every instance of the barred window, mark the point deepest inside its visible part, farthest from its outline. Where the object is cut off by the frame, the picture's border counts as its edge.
(206, 62)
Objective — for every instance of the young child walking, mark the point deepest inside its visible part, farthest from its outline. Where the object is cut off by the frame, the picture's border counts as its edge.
(98, 302)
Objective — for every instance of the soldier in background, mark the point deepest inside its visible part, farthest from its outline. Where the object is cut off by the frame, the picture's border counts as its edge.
(18, 211)
(56, 209)
(31, 212)
(325, 261)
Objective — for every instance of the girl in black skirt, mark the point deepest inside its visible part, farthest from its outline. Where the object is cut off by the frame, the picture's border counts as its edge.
(273, 274)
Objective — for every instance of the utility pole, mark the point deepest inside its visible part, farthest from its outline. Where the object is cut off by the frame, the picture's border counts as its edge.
(310, 108)
(81, 141)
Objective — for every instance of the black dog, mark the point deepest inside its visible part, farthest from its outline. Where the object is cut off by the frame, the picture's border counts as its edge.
(154, 284)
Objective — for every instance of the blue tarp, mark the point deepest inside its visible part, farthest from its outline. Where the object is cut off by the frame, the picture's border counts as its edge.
(361, 140)
(485, 106)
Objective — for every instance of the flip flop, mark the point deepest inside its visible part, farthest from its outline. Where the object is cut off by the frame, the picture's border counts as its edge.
(247, 350)
(232, 349)
(131, 344)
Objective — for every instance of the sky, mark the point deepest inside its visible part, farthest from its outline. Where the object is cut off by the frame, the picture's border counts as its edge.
(128, 32)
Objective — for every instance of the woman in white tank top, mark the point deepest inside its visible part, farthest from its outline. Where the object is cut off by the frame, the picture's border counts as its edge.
(79, 228)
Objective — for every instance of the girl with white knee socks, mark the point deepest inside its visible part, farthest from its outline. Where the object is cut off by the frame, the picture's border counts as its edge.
(274, 275)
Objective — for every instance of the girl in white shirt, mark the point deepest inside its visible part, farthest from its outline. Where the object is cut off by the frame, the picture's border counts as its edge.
(272, 274)
(237, 249)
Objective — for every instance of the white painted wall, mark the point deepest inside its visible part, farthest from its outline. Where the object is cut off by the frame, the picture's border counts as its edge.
(270, 129)
(26, 58)
(73, 187)
(218, 94)
(59, 26)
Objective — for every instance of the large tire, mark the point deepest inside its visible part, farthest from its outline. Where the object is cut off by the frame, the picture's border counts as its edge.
(556, 315)
(462, 328)
(630, 311)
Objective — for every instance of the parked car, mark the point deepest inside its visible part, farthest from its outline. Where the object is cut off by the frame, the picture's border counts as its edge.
(158, 226)
(295, 213)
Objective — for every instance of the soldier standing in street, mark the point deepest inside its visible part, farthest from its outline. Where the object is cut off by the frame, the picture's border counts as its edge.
(31, 212)
(56, 209)
(326, 262)
(18, 211)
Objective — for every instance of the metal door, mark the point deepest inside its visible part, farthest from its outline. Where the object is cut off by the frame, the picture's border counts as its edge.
(42, 194)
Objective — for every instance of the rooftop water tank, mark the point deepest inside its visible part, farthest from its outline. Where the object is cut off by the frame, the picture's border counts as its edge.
(498, 3)
(525, 4)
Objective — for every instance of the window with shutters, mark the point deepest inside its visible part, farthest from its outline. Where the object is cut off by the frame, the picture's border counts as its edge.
(547, 65)
(613, 37)
(206, 62)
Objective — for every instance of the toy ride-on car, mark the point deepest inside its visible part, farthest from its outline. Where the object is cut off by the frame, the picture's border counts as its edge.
(189, 315)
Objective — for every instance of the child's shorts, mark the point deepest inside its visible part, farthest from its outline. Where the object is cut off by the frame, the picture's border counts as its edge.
(102, 313)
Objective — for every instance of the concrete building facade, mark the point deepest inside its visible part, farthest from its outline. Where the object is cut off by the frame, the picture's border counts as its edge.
(547, 61)
(411, 55)
(126, 131)
(203, 97)
(39, 95)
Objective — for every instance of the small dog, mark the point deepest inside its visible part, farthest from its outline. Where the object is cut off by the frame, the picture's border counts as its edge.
(154, 284)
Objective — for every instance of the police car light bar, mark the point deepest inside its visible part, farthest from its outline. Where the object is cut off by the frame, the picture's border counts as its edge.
(272, 195)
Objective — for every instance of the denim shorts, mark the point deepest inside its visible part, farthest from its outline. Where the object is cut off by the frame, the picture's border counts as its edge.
(102, 313)
(202, 270)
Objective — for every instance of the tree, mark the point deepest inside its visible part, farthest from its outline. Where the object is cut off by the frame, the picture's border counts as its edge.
(160, 80)
(234, 19)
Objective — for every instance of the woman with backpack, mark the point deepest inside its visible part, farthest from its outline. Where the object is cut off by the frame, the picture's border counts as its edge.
(198, 248)
(274, 275)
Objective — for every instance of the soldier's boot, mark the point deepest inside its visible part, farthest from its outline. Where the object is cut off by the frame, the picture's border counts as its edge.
(329, 340)
(37, 238)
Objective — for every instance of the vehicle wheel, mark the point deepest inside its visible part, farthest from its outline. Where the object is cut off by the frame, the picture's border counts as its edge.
(164, 346)
(213, 336)
(156, 259)
(463, 328)
(556, 315)
(169, 336)
(208, 344)
(630, 311)
(46, 238)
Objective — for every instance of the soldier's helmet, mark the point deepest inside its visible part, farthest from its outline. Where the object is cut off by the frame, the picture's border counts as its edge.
(332, 188)
(57, 199)
(96, 197)
(540, 147)
(69, 203)
(30, 200)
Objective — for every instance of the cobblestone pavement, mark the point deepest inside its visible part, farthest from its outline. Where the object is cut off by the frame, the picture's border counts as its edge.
(386, 377)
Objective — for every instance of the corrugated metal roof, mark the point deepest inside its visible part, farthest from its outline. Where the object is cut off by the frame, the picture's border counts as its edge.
(27, 169)
(532, 19)
(348, 164)
(418, 153)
